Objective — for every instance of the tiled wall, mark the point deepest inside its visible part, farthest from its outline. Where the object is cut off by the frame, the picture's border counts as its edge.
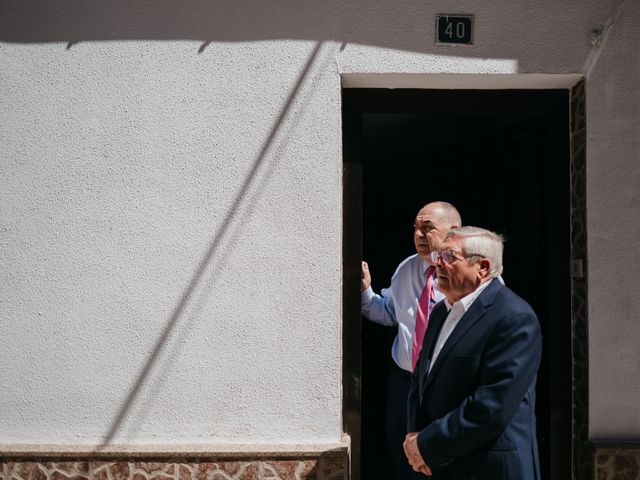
(582, 461)
(617, 463)
(610, 464)
(324, 467)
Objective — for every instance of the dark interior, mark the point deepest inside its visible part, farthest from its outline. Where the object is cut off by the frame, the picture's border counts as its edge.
(502, 158)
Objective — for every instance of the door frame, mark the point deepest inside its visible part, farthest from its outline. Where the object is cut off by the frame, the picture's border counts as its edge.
(582, 450)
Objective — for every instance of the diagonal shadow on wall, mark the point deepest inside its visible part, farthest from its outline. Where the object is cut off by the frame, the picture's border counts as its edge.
(215, 257)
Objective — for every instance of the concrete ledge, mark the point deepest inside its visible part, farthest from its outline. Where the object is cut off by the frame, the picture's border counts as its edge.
(452, 81)
(227, 450)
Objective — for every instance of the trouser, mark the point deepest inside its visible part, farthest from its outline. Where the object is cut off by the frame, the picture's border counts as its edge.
(396, 423)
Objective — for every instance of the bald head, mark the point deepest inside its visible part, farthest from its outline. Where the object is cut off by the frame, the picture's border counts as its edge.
(446, 213)
(432, 223)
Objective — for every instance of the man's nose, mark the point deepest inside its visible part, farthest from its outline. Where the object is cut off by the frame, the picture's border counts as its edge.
(419, 233)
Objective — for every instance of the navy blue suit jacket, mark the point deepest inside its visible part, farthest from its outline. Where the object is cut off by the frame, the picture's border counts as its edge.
(475, 410)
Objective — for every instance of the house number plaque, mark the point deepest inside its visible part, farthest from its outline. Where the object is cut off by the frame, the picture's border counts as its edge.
(456, 29)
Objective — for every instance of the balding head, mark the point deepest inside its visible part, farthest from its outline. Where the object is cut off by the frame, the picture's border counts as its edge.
(432, 223)
(446, 213)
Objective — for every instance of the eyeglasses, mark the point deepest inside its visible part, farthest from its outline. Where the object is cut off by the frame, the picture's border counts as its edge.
(449, 256)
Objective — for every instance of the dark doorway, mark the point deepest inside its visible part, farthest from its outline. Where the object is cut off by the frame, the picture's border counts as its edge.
(502, 158)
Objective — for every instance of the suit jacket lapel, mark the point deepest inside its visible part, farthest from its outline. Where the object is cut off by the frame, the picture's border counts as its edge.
(475, 312)
(436, 320)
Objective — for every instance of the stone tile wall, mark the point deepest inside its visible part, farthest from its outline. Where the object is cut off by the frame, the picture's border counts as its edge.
(582, 451)
(324, 467)
(617, 463)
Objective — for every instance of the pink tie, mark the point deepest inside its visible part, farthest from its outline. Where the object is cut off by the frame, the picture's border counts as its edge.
(426, 303)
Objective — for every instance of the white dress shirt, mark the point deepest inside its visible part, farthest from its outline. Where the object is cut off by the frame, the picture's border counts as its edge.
(456, 311)
(397, 305)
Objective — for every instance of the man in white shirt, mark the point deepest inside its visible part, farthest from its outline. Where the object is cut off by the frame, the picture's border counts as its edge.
(397, 306)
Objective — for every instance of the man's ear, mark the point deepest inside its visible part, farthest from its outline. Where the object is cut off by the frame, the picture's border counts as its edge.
(485, 267)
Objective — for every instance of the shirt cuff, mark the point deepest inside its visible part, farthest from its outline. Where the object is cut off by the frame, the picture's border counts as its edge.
(366, 296)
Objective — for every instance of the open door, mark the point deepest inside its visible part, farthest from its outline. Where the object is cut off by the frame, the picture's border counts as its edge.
(502, 157)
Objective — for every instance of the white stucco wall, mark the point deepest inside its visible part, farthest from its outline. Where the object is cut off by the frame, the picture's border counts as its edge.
(613, 216)
(170, 206)
(155, 215)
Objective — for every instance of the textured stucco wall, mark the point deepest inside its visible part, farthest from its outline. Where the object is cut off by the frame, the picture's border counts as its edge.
(613, 219)
(170, 249)
(170, 206)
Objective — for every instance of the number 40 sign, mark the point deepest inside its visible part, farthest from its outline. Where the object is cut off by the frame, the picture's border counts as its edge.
(454, 29)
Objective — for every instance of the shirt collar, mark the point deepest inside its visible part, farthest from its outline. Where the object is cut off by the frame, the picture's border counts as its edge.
(466, 301)
(425, 267)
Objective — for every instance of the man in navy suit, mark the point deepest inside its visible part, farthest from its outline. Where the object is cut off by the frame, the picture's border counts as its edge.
(471, 406)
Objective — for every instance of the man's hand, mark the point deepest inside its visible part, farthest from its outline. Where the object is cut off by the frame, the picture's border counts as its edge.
(365, 279)
(413, 454)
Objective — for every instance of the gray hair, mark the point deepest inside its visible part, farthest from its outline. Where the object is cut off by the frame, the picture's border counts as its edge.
(483, 243)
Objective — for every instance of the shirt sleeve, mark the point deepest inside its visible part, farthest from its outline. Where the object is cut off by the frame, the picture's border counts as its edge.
(378, 308)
